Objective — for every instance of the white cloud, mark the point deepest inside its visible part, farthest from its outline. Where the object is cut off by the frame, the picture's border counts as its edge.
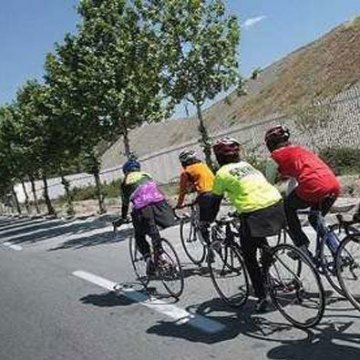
(252, 21)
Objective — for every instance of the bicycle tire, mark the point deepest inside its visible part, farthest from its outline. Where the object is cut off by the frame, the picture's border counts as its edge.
(326, 267)
(185, 241)
(342, 262)
(294, 286)
(173, 263)
(138, 262)
(218, 275)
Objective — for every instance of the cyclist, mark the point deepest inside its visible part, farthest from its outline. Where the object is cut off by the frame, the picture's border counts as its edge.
(150, 209)
(258, 203)
(317, 186)
(196, 176)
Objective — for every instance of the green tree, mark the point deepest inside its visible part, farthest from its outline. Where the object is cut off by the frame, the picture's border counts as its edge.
(108, 78)
(11, 154)
(124, 62)
(200, 41)
(35, 133)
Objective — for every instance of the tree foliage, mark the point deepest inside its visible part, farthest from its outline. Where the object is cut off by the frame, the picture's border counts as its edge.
(201, 43)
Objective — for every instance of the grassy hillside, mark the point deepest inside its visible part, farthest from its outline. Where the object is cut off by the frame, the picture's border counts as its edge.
(323, 68)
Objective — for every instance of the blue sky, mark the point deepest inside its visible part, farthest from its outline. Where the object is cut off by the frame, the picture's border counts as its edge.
(270, 30)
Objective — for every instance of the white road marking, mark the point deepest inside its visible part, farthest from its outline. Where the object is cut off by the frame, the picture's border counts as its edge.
(12, 246)
(180, 315)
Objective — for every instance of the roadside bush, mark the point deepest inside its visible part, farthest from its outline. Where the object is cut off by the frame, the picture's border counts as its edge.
(343, 160)
(85, 193)
(112, 190)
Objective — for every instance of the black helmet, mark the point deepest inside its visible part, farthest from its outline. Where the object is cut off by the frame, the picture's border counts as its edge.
(188, 156)
(276, 135)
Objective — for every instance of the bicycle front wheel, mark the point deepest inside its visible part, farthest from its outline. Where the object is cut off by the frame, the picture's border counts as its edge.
(328, 265)
(170, 270)
(228, 274)
(190, 239)
(348, 268)
(138, 262)
(295, 286)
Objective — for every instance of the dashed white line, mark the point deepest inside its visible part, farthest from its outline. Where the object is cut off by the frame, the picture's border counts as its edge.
(13, 246)
(181, 316)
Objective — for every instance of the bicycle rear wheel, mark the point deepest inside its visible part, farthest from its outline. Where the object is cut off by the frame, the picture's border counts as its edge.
(228, 274)
(295, 286)
(170, 270)
(190, 239)
(348, 268)
(138, 262)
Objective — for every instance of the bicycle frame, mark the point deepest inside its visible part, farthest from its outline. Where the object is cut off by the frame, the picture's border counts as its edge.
(321, 225)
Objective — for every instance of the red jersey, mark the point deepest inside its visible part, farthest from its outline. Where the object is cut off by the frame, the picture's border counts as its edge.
(315, 179)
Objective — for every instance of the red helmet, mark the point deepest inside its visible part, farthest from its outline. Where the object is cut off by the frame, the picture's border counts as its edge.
(226, 147)
(277, 135)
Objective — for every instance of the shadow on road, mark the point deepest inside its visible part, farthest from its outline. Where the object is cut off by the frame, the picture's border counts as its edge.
(78, 230)
(11, 225)
(107, 299)
(84, 240)
(235, 322)
(323, 344)
(34, 231)
(329, 341)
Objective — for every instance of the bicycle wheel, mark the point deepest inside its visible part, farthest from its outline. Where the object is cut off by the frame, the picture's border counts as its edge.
(348, 268)
(328, 265)
(170, 270)
(298, 295)
(228, 274)
(190, 239)
(138, 262)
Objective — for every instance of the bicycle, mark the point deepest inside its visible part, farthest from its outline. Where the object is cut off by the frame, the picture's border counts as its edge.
(167, 267)
(226, 265)
(300, 301)
(325, 254)
(190, 235)
(348, 263)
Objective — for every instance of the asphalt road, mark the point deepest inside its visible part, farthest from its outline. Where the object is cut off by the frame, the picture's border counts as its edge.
(56, 303)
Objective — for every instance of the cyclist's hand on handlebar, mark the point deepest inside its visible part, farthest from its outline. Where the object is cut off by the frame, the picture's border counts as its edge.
(121, 221)
(127, 220)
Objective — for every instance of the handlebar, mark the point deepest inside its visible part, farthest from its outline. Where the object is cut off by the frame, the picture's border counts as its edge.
(119, 222)
(226, 219)
(345, 223)
(185, 206)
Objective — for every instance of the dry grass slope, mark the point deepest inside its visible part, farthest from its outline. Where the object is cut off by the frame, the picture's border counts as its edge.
(323, 68)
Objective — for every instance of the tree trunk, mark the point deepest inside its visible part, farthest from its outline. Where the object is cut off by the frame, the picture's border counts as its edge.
(205, 139)
(17, 204)
(27, 205)
(96, 173)
(126, 141)
(33, 190)
(69, 199)
(51, 210)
